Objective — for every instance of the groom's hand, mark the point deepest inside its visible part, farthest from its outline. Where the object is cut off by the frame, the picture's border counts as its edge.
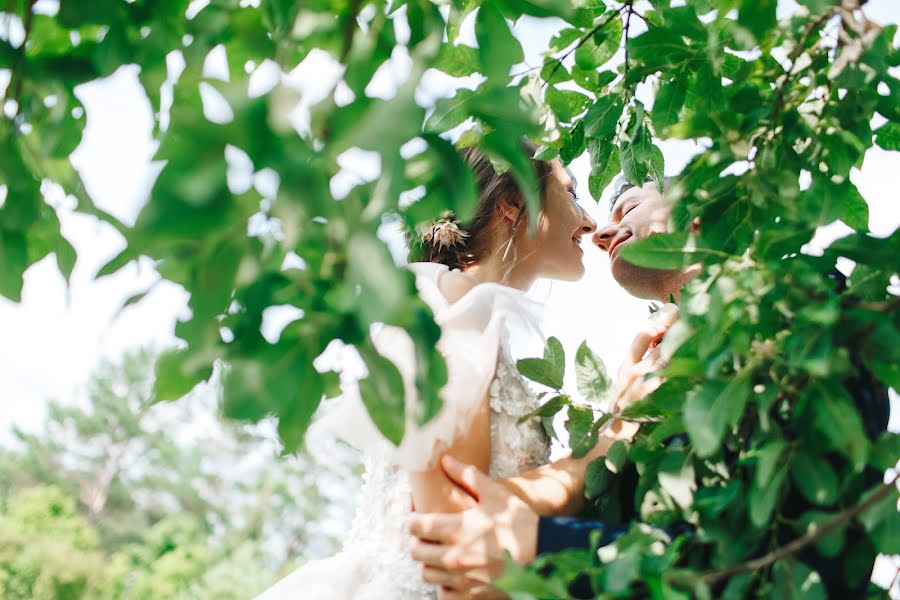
(463, 552)
(643, 358)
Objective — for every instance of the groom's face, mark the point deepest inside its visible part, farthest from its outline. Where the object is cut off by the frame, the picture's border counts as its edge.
(638, 213)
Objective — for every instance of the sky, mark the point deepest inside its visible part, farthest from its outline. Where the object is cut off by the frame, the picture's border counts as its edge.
(57, 335)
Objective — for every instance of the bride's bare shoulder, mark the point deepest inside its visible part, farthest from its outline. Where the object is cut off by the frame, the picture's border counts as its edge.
(455, 284)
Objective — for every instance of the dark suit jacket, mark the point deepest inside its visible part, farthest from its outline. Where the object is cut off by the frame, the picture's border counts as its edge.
(871, 398)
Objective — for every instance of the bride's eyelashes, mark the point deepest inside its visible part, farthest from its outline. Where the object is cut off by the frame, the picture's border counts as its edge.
(629, 209)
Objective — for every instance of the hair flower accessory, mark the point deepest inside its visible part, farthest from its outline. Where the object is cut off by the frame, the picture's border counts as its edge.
(444, 233)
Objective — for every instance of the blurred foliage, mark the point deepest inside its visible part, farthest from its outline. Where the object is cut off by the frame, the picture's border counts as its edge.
(770, 345)
(115, 498)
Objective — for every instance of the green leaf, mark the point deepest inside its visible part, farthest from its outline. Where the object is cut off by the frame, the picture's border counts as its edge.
(677, 478)
(600, 47)
(885, 452)
(771, 471)
(458, 61)
(566, 104)
(592, 379)
(498, 49)
(74, 14)
(582, 433)
(597, 479)
(886, 535)
(300, 396)
(827, 201)
(836, 418)
(604, 167)
(669, 102)
(616, 456)
(520, 582)
(888, 136)
(713, 407)
(758, 16)
(635, 153)
(546, 153)
(601, 118)
(658, 168)
(564, 38)
(547, 409)
(665, 401)
(548, 370)
(659, 49)
(815, 478)
(449, 112)
(535, 8)
(554, 72)
(540, 371)
(883, 253)
(555, 354)
(383, 395)
(383, 126)
(793, 580)
(828, 545)
(508, 149)
(172, 381)
(663, 251)
(382, 286)
(13, 263)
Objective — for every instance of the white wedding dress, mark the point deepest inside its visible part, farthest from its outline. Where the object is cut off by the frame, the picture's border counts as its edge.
(375, 563)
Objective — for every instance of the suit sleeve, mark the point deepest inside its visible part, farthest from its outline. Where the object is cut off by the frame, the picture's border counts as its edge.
(560, 533)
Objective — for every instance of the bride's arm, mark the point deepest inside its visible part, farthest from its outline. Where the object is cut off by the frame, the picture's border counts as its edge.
(558, 488)
(433, 491)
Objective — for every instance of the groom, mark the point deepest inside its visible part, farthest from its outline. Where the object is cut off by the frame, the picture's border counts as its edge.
(464, 552)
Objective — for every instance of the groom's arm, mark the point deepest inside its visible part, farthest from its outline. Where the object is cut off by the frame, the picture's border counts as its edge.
(558, 488)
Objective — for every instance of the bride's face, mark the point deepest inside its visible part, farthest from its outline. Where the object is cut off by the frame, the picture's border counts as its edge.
(556, 247)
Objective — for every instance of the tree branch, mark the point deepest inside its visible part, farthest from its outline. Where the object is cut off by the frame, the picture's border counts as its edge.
(804, 541)
(16, 78)
(559, 60)
(630, 6)
(778, 105)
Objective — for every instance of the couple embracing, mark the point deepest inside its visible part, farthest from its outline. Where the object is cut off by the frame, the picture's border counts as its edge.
(437, 513)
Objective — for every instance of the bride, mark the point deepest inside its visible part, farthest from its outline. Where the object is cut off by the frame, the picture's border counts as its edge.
(474, 277)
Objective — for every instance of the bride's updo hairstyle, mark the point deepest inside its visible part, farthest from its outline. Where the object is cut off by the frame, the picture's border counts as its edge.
(461, 245)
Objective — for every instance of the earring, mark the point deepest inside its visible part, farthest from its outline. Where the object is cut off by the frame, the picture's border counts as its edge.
(509, 244)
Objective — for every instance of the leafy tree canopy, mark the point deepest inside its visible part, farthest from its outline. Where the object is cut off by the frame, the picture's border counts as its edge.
(769, 342)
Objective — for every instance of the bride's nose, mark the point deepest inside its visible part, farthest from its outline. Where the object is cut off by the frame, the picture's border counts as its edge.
(588, 224)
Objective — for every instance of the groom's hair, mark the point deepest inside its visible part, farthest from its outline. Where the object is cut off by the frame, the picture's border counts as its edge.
(622, 185)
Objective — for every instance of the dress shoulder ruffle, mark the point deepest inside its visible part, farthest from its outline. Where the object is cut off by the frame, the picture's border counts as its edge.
(471, 332)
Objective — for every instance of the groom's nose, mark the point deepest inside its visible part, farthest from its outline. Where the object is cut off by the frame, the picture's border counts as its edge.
(604, 236)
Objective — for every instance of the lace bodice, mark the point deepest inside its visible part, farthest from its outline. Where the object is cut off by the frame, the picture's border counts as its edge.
(514, 447)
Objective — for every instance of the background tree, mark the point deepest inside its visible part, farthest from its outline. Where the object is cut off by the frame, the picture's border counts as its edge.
(769, 347)
(115, 497)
